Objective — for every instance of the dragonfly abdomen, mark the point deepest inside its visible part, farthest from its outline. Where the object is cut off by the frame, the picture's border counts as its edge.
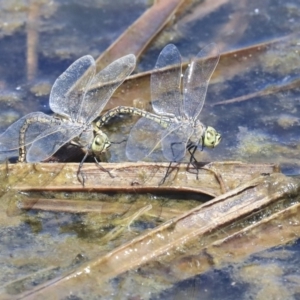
(24, 128)
(104, 119)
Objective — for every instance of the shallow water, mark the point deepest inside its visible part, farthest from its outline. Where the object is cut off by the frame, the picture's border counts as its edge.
(263, 129)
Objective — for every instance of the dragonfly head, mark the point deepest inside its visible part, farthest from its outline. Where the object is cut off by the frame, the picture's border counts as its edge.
(100, 142)
(211, 138)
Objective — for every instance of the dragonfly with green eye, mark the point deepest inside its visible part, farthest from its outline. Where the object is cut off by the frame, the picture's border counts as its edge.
(77, 97)
(177, 102)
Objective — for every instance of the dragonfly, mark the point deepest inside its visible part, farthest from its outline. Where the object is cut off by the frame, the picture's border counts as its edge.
(177, 102)
(77, 97)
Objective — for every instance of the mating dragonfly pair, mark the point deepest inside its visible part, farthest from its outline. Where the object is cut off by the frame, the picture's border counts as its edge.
(78, 96)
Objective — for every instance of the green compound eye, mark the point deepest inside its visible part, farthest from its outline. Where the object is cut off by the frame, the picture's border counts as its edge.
(100, 142)
(211, 137)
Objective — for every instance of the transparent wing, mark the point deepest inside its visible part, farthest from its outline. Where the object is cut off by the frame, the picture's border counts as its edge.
(165, 83)
(69, 88)
(144, 137)
(10, 139)
(174, 141)
(8, 154)
(46, 146)
(103, 86)
(196, 80)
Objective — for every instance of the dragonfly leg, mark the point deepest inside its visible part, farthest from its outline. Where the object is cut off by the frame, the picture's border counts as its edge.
(120, 142)
(102, 168)
(193, 161)
(175, 159)
(79, 169)
(82, 179)
(169, 170)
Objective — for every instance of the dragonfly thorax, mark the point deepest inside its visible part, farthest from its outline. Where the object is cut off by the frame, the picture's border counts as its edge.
(198, 132)
(85, 138)
(208, 137)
